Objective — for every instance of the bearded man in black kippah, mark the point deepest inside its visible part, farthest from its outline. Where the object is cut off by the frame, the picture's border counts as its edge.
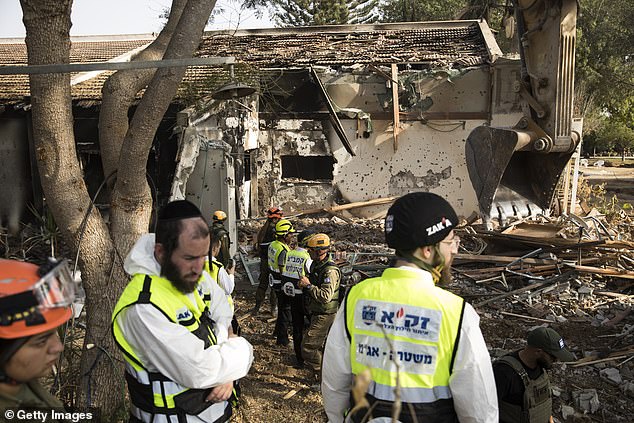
(410, 340)
(173, 326)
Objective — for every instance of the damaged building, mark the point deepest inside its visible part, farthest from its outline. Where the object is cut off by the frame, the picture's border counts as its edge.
(306, 118)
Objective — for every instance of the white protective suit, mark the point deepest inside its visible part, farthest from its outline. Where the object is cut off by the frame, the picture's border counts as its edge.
(173, 350)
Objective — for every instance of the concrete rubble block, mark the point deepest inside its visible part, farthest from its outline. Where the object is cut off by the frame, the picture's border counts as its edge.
(585, 290)
(611, 375)
(628, 389)
(567, 411)
(587, 400)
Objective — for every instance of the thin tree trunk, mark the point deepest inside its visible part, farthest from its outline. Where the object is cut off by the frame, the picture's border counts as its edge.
(154, 104)
(120, 90)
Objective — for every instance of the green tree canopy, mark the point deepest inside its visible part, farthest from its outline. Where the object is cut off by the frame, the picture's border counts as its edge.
(305, 12)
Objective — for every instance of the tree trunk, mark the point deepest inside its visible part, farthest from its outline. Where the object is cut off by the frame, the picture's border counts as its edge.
(47, 25)
(120, 90)
(151, 109)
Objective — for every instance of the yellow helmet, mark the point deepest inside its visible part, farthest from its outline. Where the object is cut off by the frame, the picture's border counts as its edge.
(219, 216)
(318, 242)
(283, 227)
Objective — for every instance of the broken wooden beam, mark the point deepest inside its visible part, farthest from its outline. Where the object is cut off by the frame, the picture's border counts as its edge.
(618, 273)
(481, 258)
(374, 202)
(508, 294)
(537, 319)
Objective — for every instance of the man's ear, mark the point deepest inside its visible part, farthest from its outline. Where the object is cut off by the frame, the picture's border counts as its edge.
(424, 253)
(159, 252)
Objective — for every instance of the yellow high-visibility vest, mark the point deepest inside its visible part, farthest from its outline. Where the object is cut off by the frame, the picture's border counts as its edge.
(422, 323)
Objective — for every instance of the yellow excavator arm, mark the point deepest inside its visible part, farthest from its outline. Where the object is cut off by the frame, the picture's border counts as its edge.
(515, 171)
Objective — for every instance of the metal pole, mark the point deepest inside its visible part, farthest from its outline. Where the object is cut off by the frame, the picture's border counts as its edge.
(86, 67)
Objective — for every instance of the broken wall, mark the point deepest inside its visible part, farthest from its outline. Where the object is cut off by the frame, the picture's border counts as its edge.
(438, 110)
(288, 138)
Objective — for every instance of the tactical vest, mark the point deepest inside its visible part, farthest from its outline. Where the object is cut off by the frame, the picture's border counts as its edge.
(219, 231)
(316, 277)
(538, 405)
(295, 267)
(422, 323)
(154, 396)
(275, 249)
(213, 268)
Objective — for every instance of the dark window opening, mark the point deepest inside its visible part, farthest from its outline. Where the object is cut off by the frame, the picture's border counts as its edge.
(247, 165)
(310, 168)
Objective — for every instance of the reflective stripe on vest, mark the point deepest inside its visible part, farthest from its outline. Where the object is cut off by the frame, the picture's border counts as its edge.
(294, 267)
(214, 270)
(275, 249)
(295, 264)
(538, 404)
(152, 392)
(422, 323)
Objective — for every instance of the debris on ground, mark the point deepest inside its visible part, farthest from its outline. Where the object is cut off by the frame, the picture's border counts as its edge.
(574, 274)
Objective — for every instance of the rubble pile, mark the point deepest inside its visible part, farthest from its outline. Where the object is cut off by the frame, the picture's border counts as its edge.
(573, 274)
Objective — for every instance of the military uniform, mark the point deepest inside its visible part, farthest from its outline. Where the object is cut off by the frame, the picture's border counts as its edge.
(523, 393)
(323, 302)
(266, 235)
(219, 231)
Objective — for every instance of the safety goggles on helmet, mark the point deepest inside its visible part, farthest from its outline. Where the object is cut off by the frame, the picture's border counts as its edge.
(25, 304)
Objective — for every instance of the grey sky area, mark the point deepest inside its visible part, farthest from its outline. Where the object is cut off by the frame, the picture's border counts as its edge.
(98, 17)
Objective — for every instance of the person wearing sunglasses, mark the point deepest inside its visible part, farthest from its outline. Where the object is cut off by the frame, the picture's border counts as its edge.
(523, 386)
(400, 342)
(34, 303)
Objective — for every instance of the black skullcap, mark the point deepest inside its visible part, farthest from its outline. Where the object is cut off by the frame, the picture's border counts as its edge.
(178, 210)
(418, 219)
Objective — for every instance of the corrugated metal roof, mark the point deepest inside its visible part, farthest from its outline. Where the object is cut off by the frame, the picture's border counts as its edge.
(455, 44)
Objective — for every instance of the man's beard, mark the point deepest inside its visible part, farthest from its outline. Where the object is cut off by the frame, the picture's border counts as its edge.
(445, 274)
(170, 272)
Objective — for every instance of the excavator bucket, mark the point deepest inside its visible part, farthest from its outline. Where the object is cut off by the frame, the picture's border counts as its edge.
(515, 171)
(509, 177)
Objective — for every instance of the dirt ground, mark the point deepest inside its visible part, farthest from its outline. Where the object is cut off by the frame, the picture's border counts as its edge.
(572, 309)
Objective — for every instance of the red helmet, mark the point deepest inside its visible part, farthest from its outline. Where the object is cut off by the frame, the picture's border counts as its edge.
(274, 213)
(30, 304)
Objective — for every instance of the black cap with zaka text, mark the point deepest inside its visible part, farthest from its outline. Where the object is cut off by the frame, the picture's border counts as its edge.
(418, 219)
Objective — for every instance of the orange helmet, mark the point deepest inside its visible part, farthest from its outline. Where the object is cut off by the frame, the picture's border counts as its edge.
(274, 213)
(31, 304)
(219, 216)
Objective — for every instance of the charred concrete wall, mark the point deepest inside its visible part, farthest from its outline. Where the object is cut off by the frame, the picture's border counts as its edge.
(429, 155)
(300, 163)
(291, 138)
(439, 109)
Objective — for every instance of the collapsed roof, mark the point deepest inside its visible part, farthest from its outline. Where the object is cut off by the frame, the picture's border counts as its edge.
(424, 45)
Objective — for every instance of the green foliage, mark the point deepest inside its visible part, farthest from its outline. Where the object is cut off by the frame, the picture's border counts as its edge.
(610, 135)
(597, 196)
(420, 10)
(305, 12)
(363, 11)
(605, 43)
